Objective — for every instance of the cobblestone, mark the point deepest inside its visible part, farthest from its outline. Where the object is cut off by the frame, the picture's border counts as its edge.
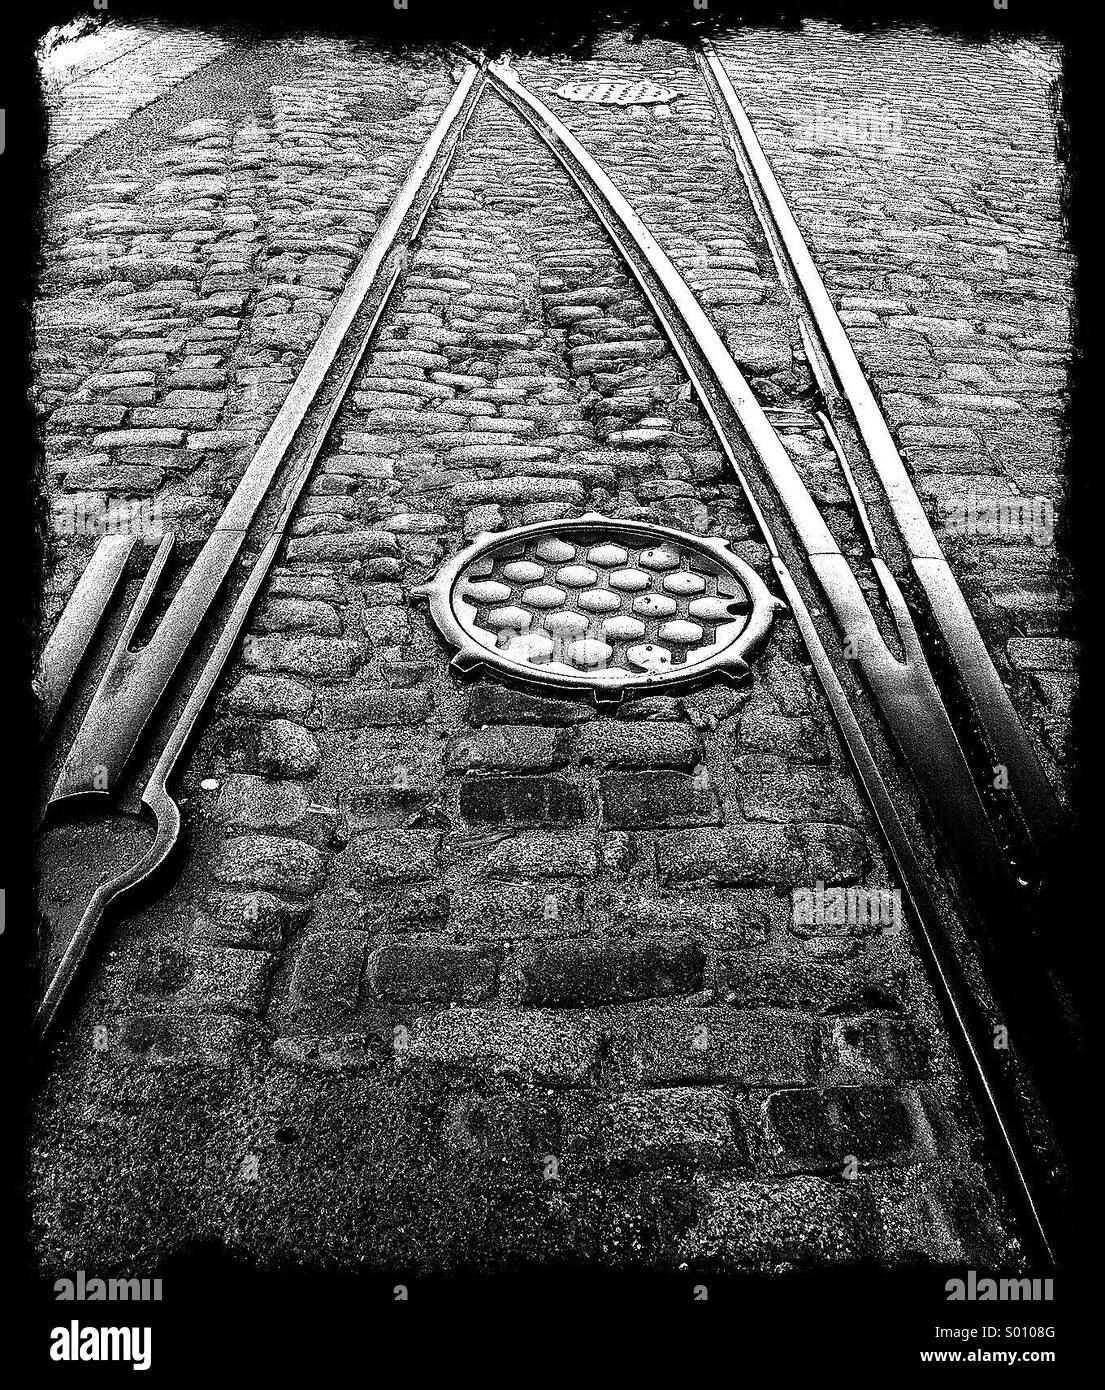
(328, 970)
(256, 804)
(260, 861)
(430, 972)
(273, 748)
(658, 799)
(682, 1046)
(660, 1128)
(818, 1130)
(614, 744)
(598, 972)
(226, 980)
(509, 748)
(259, 920)
(271, 695)
(538, 1046)
(761, 853)
(525, 800)
(389, 856)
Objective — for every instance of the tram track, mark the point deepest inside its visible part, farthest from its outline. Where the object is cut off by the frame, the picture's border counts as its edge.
(146, 703)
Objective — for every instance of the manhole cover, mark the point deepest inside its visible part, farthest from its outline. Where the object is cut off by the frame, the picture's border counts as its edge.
(617, 93)
(610, 606)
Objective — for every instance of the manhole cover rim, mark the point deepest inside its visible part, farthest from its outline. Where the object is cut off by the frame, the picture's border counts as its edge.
(731, 662)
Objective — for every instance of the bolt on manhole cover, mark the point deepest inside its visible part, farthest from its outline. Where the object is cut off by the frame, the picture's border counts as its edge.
(607, 606)
(617, 93)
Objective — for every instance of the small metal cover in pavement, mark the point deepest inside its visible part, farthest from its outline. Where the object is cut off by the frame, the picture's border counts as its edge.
(617, 93)
(603, 605)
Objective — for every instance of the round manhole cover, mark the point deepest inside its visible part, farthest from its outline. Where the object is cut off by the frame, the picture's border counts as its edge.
(608, 606)
(617, 93)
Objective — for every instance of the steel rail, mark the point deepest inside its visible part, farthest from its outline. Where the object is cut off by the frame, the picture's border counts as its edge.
(1005, 735)
(80, 620)
(992, 1088)
(134, 683)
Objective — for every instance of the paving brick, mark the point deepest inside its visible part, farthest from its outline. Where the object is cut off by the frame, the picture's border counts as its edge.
(1059, 691)
(433, 972)
(642, 799)
(328, 970)
(376, 709)
(297, 615)
(330, 658)
(508, 747)
(790, 688)
(771, 789)
(827, 913)
(386, 625)
(677, 1045)
(257, 804)
(651, 708)
(393, 856)
(137, 439)
(596, 972)
(272, 748)
(260, 920)
(536, 854)
(279, 866)
(271, 695)
(119, 477)
(354, 545)
(539, 1046)
(527, 800)
(504, 911)
(395, 783)
(613, 743)
(498, 704)
(514, 490)
(161, 967)
(879, 1048)
(817, 1130)
(662, 1128)
(817, 986)
(800, 738)
(1043, 653)
(764, 853)
(732, 919)
(395, 907)
(760, 342)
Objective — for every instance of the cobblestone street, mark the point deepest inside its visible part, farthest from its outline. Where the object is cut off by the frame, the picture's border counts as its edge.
(450, 974)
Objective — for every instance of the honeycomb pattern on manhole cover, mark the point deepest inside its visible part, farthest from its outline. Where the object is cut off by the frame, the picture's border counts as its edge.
(617, 93)
(609, 606)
